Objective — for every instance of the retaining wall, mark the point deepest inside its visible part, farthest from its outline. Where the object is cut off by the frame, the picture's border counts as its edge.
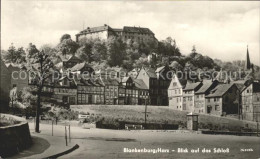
(14, 138)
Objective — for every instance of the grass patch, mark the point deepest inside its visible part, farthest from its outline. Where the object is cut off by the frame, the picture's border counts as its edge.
(162, 115)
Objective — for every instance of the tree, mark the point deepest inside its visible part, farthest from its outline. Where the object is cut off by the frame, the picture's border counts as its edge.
(31, 50)
(41, 64)
(99, 51)
(85, 52)
(65, 36)
(14, 56)
(67, 45)
(51, 52)
(116, 51)
(168, 47)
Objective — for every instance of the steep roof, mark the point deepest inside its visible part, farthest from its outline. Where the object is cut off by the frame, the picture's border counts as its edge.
(206, 84)
(150, 72)
(191, 86)
(139, 83)
(220, 90)
(137, 30)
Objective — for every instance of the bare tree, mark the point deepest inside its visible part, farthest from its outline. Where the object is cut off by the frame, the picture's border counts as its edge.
(40, 67)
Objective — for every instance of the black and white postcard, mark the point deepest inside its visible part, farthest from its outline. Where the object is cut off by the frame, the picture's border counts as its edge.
(130, 79)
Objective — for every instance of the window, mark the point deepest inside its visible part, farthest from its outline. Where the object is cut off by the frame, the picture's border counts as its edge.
(184, 99)
(208, 99)
(247, 108)
(14, 85)
(217, 107)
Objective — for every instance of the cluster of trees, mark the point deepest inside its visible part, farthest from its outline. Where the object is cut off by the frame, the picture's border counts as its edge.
(108, 53)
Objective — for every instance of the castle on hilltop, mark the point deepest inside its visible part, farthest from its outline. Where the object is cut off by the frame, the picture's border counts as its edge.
(136, 34)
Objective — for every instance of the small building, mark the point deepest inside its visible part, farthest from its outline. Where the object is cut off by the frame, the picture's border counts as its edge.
(199, 100)
(192, 121)
(223, 100)
(188, 96)
(19, 77)
(251, 102)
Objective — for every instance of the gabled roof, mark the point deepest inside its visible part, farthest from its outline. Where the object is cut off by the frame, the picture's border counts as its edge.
(206, 86)
(256, 86)
(139, 83)
(219, 90)
(79, 66)
(192, 86)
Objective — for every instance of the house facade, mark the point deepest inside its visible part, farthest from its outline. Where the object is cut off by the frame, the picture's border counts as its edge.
(223, 100)
(175, 93)
(199, 98)
(157, 83)
(65, 91)
(251, 102)
(188, 96)
(90, 92)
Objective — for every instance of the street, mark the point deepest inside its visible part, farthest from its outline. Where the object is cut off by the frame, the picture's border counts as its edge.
(100, 143)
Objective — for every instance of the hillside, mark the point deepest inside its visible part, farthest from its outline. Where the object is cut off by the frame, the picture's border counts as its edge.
(159, 114)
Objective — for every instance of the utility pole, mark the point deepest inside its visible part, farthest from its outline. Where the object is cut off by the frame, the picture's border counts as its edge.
(145, 113)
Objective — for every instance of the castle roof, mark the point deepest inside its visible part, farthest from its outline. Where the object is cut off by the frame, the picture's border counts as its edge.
(137, 30)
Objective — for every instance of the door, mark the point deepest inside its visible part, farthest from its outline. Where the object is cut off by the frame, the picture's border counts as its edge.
(209, 108)
(90, 99)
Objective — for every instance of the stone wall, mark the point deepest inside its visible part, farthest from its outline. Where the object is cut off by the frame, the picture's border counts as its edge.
(14, 138)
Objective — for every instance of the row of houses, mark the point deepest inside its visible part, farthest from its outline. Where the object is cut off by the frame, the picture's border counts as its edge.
(98, 87)
(145, 86)
(218, 98)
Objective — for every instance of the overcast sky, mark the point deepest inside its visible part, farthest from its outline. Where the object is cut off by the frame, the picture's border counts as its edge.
(218, 29)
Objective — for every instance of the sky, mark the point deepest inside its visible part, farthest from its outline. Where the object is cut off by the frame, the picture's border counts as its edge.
(218, 29)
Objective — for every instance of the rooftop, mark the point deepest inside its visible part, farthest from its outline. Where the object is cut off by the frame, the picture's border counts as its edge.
(219, 90)
(139, 83)
(191, 86)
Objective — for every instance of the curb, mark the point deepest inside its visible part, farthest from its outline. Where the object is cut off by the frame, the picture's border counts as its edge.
(63, 153)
